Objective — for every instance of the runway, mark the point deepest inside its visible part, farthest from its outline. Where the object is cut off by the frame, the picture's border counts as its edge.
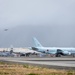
(57, 63)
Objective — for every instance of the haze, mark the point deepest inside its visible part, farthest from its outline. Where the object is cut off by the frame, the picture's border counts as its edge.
(52, 22)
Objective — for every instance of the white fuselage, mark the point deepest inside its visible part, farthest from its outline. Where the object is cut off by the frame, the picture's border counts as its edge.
(53, 50)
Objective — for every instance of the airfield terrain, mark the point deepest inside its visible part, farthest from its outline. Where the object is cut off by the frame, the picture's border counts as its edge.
(7, 68)
(64, 62)
(52, 62)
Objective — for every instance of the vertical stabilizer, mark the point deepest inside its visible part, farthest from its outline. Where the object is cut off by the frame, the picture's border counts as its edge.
(36, 43)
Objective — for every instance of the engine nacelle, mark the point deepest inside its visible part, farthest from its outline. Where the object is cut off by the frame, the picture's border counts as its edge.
(46, 51)
(33, 48)
(66, 53)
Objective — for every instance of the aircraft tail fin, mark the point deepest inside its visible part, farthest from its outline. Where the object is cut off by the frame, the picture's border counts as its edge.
(37, 43)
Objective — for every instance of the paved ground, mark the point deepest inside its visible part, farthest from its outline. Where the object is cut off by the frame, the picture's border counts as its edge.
(58, 63)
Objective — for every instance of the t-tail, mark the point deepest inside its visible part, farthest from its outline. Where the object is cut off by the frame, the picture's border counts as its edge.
(36, 43)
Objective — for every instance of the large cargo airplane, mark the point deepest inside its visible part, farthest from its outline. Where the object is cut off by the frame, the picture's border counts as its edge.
(58, 51)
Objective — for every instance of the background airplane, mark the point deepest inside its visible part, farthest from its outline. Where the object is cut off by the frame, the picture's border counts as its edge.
(5, 29)
(22, 51)
(58, 51)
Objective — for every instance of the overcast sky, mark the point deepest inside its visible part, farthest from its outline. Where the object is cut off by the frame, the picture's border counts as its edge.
(37, 12)
(52, 14)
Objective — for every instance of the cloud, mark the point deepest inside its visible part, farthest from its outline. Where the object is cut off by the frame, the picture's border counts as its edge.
(39, 12)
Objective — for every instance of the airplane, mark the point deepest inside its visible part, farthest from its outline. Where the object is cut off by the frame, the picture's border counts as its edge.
(57, 51)
(6, 53)
(5, 29)
(21, 51)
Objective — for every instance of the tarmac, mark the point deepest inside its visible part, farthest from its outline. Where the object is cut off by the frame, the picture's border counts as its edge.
(52, 62)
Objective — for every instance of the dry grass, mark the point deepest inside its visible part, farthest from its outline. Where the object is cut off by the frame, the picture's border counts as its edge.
(17, 69)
